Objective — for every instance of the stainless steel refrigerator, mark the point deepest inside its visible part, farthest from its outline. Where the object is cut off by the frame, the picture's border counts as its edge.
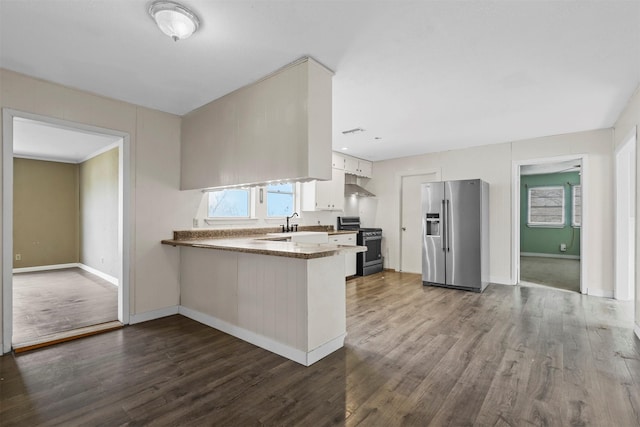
(455, 234)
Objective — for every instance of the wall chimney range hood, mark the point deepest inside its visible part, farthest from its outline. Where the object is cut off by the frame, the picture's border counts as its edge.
(351, 188)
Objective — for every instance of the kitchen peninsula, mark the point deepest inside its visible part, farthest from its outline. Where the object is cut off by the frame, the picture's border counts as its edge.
(286, 297)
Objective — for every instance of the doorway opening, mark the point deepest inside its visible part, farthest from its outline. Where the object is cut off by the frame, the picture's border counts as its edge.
(410, 230)
(548, 226)
(64, 231)
(625, 193)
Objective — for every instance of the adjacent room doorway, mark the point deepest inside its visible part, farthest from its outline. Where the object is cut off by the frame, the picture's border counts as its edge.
(91, 170)
(548, 225)
(411, 219)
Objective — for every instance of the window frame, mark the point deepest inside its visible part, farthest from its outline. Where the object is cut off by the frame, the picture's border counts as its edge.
(531, 223)
(250, 205)
(574, 223)
(294, 199)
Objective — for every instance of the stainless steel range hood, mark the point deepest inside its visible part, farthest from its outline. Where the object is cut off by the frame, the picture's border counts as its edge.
(351, 188)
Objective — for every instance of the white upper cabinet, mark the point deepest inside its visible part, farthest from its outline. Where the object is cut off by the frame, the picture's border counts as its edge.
(337, 161)
(357, 167)
(365, 168)
(278, 128)
(324, 195)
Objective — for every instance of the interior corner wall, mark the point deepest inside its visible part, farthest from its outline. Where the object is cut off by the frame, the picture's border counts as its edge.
(154, 168)
(629, 119)
(547, 240)
(494, 164)
(45, 213)
(99, 184)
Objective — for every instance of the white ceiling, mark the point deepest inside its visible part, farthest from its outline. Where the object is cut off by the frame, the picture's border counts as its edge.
(423, 76)
(38, 140)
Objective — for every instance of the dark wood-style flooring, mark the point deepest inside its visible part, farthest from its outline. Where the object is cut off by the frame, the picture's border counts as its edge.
(512, 356)
(46, 303)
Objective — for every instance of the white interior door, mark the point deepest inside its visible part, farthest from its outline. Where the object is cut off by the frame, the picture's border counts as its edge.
(411, 222)
(625, 220)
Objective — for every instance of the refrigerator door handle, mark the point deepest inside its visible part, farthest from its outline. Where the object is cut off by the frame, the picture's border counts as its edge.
(448, 231)
(443, 230)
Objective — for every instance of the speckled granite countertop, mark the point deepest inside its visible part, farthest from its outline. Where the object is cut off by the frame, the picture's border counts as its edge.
(255, 241)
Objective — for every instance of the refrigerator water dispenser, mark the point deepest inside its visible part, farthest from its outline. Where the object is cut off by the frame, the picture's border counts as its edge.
(433, 224)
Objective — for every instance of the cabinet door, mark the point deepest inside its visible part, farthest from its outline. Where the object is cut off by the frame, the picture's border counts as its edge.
(338, 190)
(364, 168)
(351, 165)
(337, 161)
(330, 194)
(350, 258)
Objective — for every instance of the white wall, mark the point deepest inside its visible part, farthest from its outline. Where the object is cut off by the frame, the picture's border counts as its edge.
(629, 119)
(155, 174)
(494, 163)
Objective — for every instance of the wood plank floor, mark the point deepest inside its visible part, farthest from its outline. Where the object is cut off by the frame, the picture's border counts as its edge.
(512, 356)
(49, 302)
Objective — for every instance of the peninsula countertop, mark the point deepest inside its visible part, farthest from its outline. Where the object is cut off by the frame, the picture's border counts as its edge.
(258, 243)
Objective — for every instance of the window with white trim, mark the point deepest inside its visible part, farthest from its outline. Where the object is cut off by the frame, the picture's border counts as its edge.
(546, 206)
(229, 203)
(280, 200)
(576, 206)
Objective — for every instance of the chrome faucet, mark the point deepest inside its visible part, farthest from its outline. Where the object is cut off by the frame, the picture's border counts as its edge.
(288, 218)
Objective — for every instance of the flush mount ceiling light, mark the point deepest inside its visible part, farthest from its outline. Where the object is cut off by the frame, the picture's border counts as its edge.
(173, 19)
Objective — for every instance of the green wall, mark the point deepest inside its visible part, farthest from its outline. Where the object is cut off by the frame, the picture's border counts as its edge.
(547, 240)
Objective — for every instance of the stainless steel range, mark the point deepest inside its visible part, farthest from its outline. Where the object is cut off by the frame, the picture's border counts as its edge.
(368, 262)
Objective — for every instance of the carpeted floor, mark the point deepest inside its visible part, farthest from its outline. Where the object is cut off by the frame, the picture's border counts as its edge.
(49, 302)
(555, 272)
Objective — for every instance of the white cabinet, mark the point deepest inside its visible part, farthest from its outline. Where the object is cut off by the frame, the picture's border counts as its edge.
(350, 258)
(357, 167)
(337, 161)
(324, 195)
(365, 168)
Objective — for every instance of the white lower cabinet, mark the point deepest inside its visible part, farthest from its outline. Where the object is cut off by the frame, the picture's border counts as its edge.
(350, 258)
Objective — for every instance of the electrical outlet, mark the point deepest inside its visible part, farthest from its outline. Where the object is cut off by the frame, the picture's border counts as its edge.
(563, 247)
(195, 222)
(18, 257)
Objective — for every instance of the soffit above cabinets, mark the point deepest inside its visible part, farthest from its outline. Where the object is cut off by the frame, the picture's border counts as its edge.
(278, 129)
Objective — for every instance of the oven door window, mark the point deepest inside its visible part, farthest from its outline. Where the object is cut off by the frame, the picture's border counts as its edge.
(374, 250)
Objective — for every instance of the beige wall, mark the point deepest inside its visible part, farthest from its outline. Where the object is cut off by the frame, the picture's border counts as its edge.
(154, 168)
(629, 119)
(99, 213)
(45, 213)
(494, 164)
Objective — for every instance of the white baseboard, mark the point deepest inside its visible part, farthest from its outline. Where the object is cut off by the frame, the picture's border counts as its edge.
(46, 267)
(105, 276)
(299, 356)
(533, 254)
(595, 292)
(501, 280)
(637, 330)
(325, 349)
(154, 314)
